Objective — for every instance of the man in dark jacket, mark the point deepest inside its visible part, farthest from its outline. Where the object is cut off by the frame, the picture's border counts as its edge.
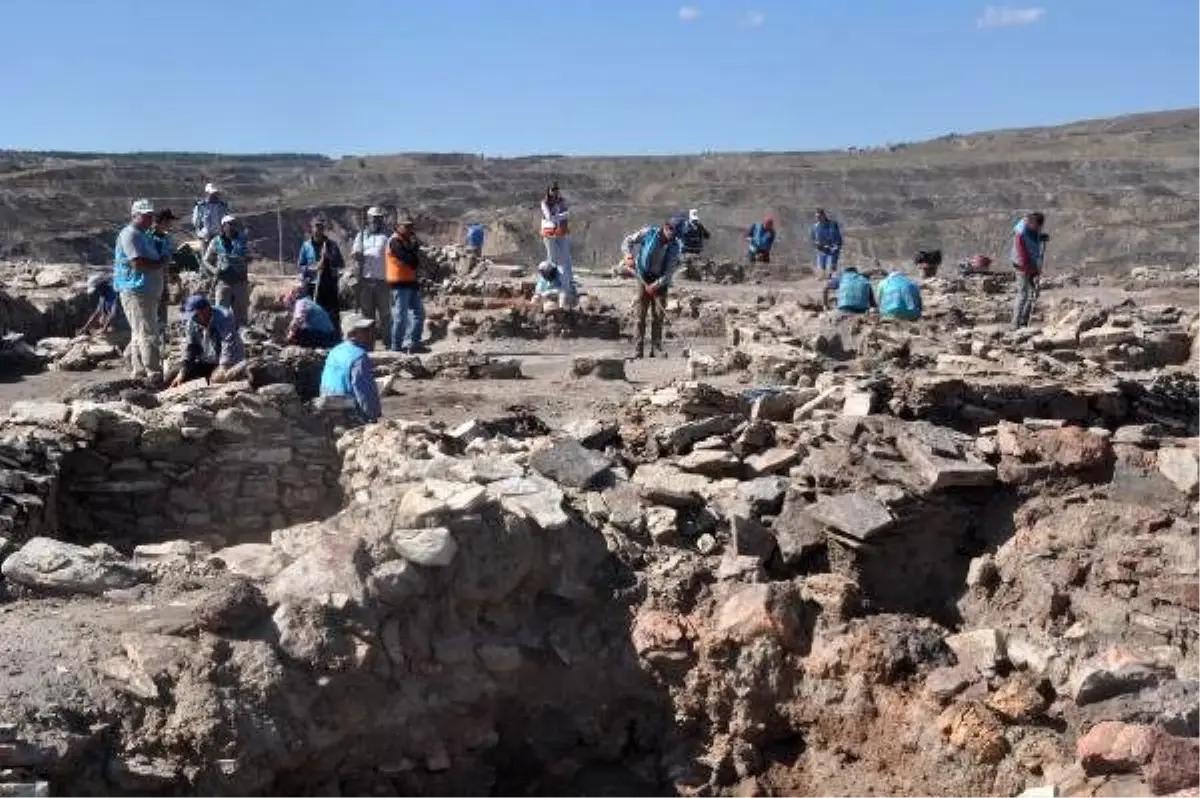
(693, 234)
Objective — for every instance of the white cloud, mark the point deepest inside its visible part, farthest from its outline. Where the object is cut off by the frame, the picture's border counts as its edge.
(752, 19)
(689, 13)
(1007, 16)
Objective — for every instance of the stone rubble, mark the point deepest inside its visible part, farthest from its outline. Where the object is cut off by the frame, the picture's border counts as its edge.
(935, 559)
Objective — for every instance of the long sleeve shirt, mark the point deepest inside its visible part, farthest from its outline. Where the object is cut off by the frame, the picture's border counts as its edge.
(366, 391)
(219, 343)
(207, 215)
(310, 254)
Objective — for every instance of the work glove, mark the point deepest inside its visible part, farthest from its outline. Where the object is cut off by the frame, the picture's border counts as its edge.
(1044, 237)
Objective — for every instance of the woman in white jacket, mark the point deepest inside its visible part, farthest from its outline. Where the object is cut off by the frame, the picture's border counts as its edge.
(556, 235)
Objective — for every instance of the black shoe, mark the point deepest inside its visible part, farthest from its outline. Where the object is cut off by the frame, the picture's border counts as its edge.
(639, 353)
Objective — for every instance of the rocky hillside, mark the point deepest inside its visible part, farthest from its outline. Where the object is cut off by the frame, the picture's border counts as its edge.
(1118, 192)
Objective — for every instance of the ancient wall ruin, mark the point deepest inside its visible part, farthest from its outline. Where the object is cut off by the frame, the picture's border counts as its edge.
(228, 463)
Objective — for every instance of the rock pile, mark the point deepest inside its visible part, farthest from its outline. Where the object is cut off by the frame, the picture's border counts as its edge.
(942, 557)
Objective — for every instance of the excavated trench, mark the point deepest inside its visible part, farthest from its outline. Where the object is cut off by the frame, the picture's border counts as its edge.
(511, 673)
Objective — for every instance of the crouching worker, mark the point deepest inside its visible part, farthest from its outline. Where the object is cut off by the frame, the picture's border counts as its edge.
(899, 297)
(311, 326)
(549, 281)
(108, 309)
(654, 264)
(854, 293)
(348, 370)
(212, 347)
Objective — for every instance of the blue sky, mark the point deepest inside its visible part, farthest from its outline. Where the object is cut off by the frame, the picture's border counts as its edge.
(513, 77)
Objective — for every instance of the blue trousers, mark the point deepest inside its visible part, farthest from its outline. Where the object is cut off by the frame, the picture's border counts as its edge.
(408, 317)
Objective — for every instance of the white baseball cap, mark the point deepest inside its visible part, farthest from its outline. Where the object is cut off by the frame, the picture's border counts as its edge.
(142, 207)
(694, 215)
(375, 210)
(227, 218)
(211, 188)
(357, 321)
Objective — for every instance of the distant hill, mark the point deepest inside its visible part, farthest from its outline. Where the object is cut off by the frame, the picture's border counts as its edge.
(1117, 192)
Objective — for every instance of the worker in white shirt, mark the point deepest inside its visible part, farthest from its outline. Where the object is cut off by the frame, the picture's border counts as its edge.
(368, 251)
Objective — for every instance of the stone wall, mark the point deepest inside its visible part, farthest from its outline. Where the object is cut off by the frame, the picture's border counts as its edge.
(220, 461)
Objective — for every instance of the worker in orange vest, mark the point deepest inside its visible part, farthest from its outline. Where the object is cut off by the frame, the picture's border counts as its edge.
(401, 270)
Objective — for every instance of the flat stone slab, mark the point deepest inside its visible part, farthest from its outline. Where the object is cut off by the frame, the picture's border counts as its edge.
(570, 463)
(857, 515)
(939, 472)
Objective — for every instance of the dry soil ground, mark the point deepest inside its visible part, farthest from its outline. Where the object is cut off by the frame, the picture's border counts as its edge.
(547, 389)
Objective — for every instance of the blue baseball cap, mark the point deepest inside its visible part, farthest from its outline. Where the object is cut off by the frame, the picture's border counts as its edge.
(195, 302)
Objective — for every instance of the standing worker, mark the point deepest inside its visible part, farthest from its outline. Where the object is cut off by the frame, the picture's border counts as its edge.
(654, 264)
(160, 234)
(138, 278)
(693, 234)
(208, 213)
(321, 263)
(827, 241)
(348, 370)
(557, 238)
(759, 240)
(228, 256)
(368, 250)
(1028, 250)
(403, 277)
(899, 297)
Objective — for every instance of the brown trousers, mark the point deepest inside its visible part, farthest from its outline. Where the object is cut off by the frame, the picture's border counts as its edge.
(656, 307)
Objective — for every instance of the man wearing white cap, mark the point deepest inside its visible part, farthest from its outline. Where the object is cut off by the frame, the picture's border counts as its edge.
(228, 256)
(208, 212)
(368, 251)
(138, 278)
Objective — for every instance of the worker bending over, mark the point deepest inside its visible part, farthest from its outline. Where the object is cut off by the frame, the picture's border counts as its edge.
(653, 254)
(212, 347)
(899, 297)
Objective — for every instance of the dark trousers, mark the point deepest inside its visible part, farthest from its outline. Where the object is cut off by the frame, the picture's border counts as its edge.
(325, 293)
(758, 257)
(656, 307)
(1027, 289)
(314, 339)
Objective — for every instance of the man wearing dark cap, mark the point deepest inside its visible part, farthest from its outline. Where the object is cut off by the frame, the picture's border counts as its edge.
(652, 253)
(321, 265)
(212, 347)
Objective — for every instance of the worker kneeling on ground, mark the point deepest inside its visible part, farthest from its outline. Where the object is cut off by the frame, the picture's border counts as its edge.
(108, 310)
(549, 281)
(854, 293)
(212, 347)
(654, 265)
(899, 297)
(311, 326)
(348, 369)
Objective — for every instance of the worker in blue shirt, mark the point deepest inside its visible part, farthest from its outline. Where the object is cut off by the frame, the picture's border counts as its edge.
(320, 264)
(827, 241)
(108, 309)
(899, 297)
(348, 369)
(854, 294)
(759, 240)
